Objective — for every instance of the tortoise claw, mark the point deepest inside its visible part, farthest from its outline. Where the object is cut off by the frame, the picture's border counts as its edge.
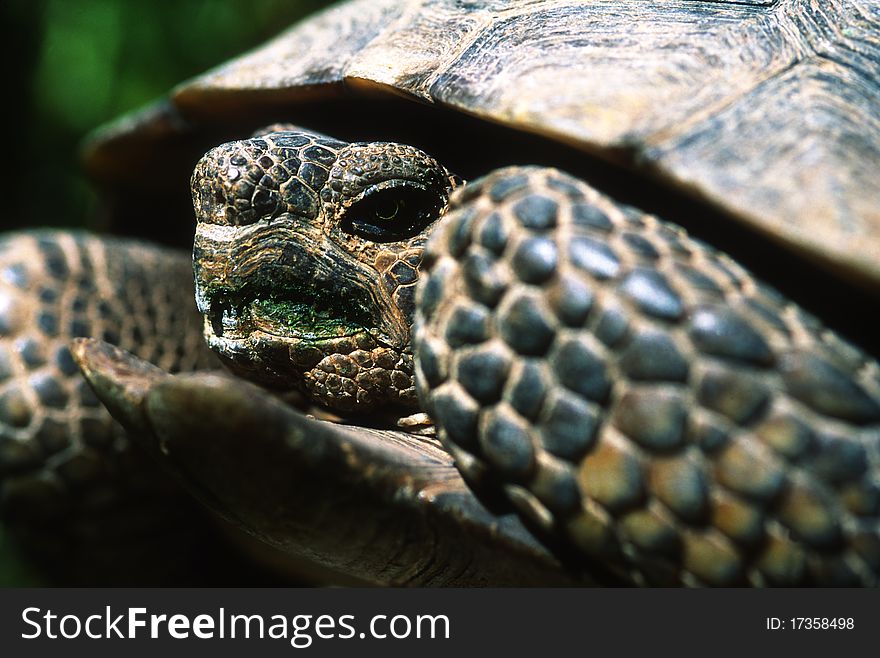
(383, 506)
(120, 379)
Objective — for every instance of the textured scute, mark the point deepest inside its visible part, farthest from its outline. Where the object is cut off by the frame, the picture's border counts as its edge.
(63, 461)
(712, 431)
(766, 108)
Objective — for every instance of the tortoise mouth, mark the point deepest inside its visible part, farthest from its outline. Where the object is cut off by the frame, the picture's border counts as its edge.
(297, 314)
(278, 297)
(300, 320)
(275, 337)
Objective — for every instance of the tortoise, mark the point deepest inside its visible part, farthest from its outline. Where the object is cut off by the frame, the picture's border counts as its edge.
(625, 403)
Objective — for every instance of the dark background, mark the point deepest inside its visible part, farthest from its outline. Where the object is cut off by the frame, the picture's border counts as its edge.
(71, 65)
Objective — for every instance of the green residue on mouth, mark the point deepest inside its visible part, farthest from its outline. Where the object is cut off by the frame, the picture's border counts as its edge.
(299, 320)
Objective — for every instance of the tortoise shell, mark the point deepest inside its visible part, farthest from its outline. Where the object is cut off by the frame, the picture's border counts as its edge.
(764, 108)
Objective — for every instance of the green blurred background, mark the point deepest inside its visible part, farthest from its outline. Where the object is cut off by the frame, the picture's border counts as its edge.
(70, 65)
(74, 64)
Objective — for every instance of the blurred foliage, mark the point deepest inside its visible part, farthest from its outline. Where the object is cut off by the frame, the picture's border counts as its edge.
(74, 64)
(79, 63)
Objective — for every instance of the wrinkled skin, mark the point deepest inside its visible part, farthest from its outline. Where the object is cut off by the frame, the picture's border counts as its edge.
(306, 262)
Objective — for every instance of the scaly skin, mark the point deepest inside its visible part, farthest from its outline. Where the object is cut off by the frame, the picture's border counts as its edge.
(640, 395)
(294, 292)
(72, 486)
(630, 390)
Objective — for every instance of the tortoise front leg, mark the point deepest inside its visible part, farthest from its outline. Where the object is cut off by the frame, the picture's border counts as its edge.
(641, 396)
(83, 502)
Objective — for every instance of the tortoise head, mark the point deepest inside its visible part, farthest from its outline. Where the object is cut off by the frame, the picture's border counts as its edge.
(306, 257)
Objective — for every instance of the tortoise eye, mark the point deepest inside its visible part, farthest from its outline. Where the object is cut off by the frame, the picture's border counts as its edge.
(392, 214)
(388, 209)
